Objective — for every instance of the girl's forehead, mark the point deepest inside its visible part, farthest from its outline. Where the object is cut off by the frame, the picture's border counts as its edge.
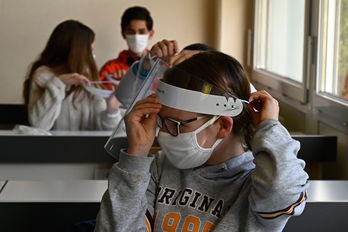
(170, 112)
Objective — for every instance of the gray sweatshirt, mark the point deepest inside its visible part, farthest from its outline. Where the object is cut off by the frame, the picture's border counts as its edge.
(256, 191)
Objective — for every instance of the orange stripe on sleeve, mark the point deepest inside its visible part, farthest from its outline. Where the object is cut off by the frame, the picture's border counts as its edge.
(287, 211)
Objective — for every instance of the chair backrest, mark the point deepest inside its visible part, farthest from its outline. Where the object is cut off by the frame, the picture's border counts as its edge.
(12, 114)
(317, 148)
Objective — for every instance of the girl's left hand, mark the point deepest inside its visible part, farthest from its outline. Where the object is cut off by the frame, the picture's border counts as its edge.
(263, 107)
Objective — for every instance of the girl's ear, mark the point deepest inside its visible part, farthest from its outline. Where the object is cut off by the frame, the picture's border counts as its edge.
(225, 126)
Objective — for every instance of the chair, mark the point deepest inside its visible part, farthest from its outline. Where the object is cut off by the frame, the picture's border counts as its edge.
(12, 114)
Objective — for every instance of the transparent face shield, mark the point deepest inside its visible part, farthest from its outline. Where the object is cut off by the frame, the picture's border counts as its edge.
(176, 89)
(137, 78)
(138, 83)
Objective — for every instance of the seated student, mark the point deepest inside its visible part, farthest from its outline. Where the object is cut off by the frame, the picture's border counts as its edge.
(137, 30)
(221, 170)
(55, 88)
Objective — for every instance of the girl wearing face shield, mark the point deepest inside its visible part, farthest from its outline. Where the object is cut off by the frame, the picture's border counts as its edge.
(216, 172)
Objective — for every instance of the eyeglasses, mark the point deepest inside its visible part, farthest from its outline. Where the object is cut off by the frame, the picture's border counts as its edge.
(173, 126)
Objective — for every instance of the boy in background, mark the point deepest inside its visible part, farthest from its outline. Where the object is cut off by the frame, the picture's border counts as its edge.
(137, 30)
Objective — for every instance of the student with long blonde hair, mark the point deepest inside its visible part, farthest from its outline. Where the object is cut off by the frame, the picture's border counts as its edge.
(54, 89)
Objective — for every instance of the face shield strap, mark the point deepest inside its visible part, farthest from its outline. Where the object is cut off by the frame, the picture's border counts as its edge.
(198, 102)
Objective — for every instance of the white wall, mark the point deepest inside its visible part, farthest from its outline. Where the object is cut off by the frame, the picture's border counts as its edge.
(26, 25)
(235, 17)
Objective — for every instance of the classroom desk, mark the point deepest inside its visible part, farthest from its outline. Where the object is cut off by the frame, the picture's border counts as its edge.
(49, 205)
(88, 147)
(2, 182)
(61, 133)
(326, 208)
(63, 155)
(2, 185)
(81, 155)
(60, 147)
(92, 191)
(328, 191)
(57, 205)
(73, 191)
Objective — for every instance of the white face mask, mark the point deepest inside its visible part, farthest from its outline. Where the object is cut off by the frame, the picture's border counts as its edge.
(137, 43)
(183, 151)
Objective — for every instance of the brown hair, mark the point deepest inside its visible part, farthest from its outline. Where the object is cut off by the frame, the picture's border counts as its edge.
(68, 50)
(136, 13)
(227, 78)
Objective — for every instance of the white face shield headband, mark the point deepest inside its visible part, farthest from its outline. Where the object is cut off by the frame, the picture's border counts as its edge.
(198, 102)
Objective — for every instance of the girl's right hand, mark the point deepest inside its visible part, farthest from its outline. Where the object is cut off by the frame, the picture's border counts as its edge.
(74, 79)
(263, 107)
(141, 125)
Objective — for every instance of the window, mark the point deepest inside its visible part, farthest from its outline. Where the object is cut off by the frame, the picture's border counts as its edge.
(280, 46)
(301, 51)
(333, 51)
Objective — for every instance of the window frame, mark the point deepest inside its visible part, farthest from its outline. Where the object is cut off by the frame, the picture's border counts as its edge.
(289, 88)
(327, 107)
(321, 95)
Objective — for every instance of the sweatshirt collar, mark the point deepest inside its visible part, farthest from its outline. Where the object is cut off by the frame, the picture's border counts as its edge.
(229, 168)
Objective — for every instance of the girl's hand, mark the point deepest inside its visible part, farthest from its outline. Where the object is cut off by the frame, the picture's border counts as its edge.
(73, 79)
(263, 107)
(141, 125)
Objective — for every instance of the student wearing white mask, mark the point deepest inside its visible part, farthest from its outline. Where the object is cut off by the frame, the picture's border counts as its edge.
(227, 163)
(137, 30)
(61, 88)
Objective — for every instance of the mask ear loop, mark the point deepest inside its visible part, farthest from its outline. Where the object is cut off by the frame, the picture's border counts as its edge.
(208, 123)
(205, 125)
(96, 91)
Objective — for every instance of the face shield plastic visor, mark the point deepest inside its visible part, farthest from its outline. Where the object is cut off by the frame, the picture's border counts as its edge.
(138, 83)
